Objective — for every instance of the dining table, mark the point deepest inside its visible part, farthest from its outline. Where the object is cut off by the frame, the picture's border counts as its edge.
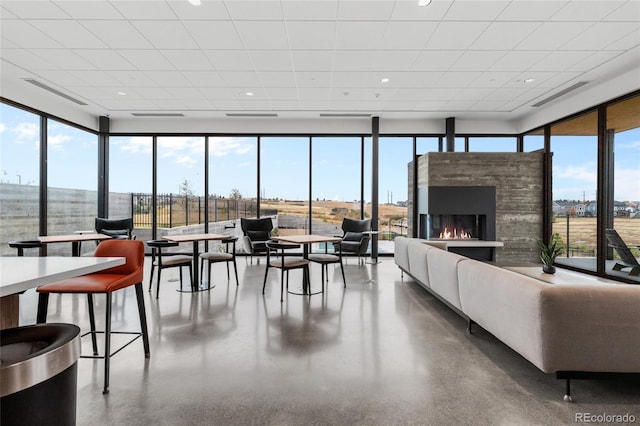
(306, 241)
(196, 284)
(75, 240)
(18, 274)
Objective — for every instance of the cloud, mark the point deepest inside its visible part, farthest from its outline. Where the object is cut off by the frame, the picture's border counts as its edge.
(222, 146)
(586, 173)
(137, 144)
(2, 127)
(56, 141)
(627, 185)
(186, 160)
(26, 132)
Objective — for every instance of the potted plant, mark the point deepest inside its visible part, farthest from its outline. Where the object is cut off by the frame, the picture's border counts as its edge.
(548, 254)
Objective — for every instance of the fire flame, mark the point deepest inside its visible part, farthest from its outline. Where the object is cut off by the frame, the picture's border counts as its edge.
(454, 234)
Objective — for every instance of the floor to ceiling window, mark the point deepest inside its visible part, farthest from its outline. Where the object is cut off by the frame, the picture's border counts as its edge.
(574, 144)
(130, 182)
(533, 141)
(623, 124)
(335, 177)
(284, 183)
(395, 154)
(232, 179)
(19, 177)
(72, 196)
(492, 144)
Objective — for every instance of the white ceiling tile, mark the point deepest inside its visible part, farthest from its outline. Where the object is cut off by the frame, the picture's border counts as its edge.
(277, 79)
(477, 60)
(436, 60)
(551, 79)
(204, 78)
(219, 93)
(473, 93)
(241, 79)
(263, 35)
(413, 79)
(229, 105)
(470, 10)
(254, 10)
(408, 10)
(63, 59)
(530, 10)
(430, 105)
(311, 35)
(170, 105)
(407, 35)
(312, 105)
(98, 93)
(104, 59)
(358, 60)
(258, 105)
(144, 9)
(153, 93)
(271, 60)
(89, 10)
(323, 10)
(168, 78)
(310, 60)
(95, 78)
(482, 106)
(166, 34)
(395, 60)
(26, 59)
(458, 79)
(25, 35)
(147, 59)
(313, 79)
(207, 11)
(593, 61)
(491, 79)
(518, 60)
(191, 60)
(552, 35)
(34, 9)
(214, 35)
(313, 93)
(504, 35)
(64, 78)
(353, 79)
(284, 105)
(132, 78)
(365, 11)
(69, 33)
(561, 60)
(628, 12)
(586, 10)
(601, 35)
(229, 60)
(281, 93)
(505, 93)
(359, 35)
(626, 43)
(184, 93)
(118, 34)
(5, 14)
(456, 35)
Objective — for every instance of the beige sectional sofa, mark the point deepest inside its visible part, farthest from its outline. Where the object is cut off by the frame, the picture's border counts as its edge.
(585, 329)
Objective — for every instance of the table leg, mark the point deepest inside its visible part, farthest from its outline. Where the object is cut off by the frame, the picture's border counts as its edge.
(306, 285)
(196, 255)
(10, 309)
(75, 248)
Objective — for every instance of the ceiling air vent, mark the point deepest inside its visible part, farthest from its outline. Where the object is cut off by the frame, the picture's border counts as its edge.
(249, 114)
(345, 115)
(560, 93)
(157, 114)
(54, 91)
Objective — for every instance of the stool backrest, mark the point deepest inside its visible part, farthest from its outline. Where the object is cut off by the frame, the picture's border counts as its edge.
(132, 250)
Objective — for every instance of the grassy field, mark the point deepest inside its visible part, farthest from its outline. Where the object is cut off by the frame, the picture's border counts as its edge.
(582, 230)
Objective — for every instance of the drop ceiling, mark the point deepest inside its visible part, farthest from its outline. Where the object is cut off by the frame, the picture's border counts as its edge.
(300, 59)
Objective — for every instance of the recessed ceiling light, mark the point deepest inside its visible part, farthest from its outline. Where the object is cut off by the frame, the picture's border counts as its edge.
(249, 93)
(423, 3)
(384, 80)
(122, 94)
(529, 80)
(195, 2)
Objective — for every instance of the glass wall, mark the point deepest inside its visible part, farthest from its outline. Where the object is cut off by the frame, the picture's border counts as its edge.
(72, 197)
(492, 144)
(574, 144)
(19, 177)
(284, 183)
(623, 127)
(395, 153)
(427, 144)
(130, 182)
(533, 141)
(335, 177)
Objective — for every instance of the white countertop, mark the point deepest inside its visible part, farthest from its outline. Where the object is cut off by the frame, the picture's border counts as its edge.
(18, 274)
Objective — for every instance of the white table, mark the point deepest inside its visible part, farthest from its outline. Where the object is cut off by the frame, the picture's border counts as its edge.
(18, 274)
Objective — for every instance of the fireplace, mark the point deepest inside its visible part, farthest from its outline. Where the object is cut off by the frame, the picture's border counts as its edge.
(454, 226)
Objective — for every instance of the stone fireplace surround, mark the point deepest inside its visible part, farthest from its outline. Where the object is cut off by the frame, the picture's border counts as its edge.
(517, 179)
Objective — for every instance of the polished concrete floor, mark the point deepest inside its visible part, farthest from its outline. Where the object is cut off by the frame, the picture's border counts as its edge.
(380, 352)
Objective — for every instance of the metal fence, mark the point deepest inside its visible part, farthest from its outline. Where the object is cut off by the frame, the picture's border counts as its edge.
(174, 210)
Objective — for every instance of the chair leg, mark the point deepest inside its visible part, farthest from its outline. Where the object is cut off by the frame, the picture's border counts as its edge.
(264, 283)
(107, 344)
(228, 276)
(344, 280)
(43, 307)
(143, 320)
(92, 322)
(158, 284)
(202, 268)
(151, 276)
(322, 266)
(193, 285)
(282, 284)
(235, 269)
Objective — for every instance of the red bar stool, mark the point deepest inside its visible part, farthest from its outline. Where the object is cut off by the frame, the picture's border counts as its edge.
(105, 282)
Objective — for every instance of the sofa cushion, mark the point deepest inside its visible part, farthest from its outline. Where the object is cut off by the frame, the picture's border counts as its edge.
(418, 261)
(443, 274)
(401, 252)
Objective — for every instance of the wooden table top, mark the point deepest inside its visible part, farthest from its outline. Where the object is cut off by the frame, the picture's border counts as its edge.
(72, 238)
(195, 237)
(306, 239)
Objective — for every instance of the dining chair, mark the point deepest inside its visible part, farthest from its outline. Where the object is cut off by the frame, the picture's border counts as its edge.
(256, 233)
(160, 261)
(284, 263)
(227, 256)
(325, 259)
(119, 229)
(355, 240)
(24, 244)
(105, 282)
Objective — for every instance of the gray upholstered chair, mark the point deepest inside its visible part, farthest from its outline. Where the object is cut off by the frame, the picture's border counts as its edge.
(355, 240)
(163, 261)
(256, 234)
